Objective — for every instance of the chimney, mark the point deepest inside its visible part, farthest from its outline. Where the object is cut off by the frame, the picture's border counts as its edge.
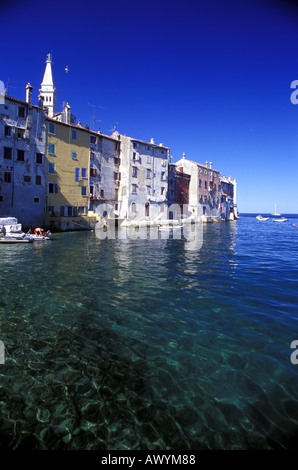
(206, 163)
(29, 89)
(40, 101)
(183, 155)
(152, 140)
(211, 165)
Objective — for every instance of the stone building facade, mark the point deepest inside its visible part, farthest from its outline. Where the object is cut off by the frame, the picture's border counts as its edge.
(22, 160)
(144, 179)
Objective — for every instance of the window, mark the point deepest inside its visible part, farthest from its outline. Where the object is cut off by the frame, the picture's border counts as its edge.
(92, 172)
(36, 200)
(52, 128)
(51, 167)
(51, 209)
(51, 149)
(1, 198)
(200, 183)
(69, 211)
(39, 158)
(148, 159)
(133, 207)
(7, 177)
(74, 155)
(162, 190)
(20, 133)
(148, 189)
(205, 184)
(116, 161)
(84, 172)
(134, 145)
(92, 139)
(134, 156)
(7, 131)
(82, 210)
(91, 155)
(38, 180)
(134, 188)
(84, 190)
(21, 155)
(22, 112)
(186, 184)
(7, 153)
(77, 175)
(148, 174)
(162, 175)
(101, 193)
(116, 176)
(27, 179)
(134, 171)
(61, 211)
(52, 188)
(74, 134)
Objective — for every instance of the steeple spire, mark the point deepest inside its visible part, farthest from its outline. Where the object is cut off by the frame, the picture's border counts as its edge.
(48, 89)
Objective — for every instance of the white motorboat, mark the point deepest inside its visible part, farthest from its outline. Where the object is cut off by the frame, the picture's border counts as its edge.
(162, 228)
(282, 219)
(38, 238)
(260, 217)
(12, 230)
(22, 239)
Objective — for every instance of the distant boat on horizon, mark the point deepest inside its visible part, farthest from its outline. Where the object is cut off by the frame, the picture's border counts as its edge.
(275, 211)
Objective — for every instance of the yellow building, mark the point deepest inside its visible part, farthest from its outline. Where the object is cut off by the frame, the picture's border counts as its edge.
(67, 178)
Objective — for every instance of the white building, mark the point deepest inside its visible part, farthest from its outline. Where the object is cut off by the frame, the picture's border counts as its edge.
(22, 160)
(144, 179)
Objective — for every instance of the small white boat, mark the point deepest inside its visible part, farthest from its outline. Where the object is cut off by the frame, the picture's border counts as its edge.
(15, 239)
(162, 228)
(40, 236)
(12, 230)
(282, 219)
(259, 217)
(275, 211)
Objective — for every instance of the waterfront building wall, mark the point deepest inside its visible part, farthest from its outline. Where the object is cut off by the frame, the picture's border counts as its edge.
(67, 180)
(144, 179)
(104, 176)
(228, 198)
(204, 190)
(22, 160)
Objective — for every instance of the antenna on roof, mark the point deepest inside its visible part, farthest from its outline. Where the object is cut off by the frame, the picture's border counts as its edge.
(11, 86)
(93, 119)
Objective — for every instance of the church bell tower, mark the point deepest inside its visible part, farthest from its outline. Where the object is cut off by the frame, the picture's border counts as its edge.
(48, 90)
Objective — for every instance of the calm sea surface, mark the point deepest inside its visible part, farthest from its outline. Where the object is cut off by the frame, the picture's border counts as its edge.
(151, 344)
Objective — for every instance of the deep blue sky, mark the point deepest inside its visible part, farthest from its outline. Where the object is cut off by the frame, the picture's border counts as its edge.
(208, 78)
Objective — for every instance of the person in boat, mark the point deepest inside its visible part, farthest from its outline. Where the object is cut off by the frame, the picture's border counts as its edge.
(38, 231)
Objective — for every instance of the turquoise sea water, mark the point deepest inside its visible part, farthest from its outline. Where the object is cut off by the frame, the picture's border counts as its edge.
(151, 344)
